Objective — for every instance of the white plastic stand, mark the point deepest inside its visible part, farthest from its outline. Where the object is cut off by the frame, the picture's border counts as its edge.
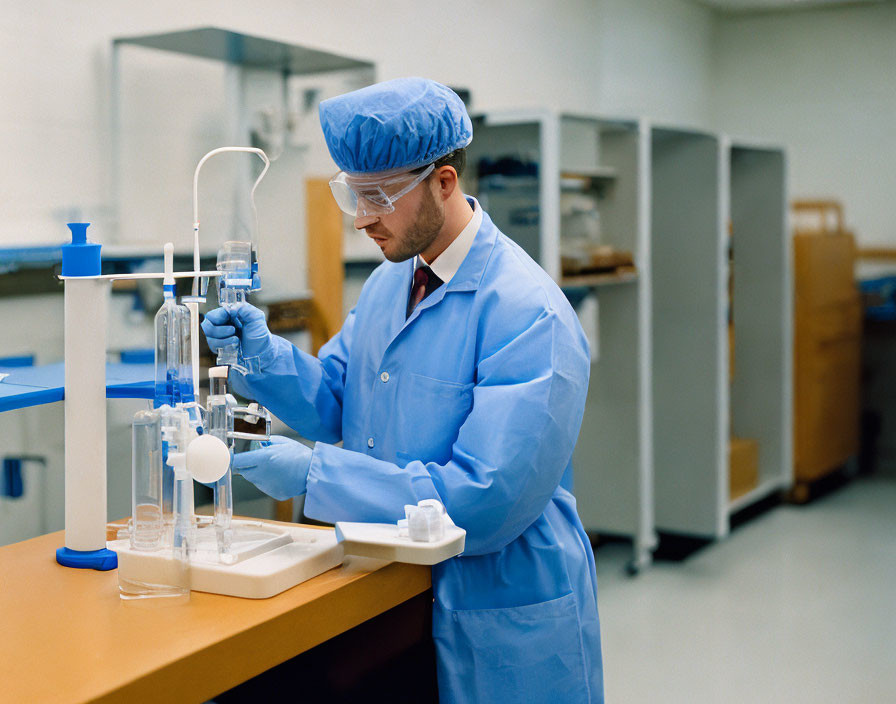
(382, 541)
(86, 310)
(268, 559)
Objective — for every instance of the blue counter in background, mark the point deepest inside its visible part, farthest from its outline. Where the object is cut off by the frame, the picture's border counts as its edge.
(33, 386)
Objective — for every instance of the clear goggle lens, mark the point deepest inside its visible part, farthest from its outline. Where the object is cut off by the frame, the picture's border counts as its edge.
(360, 198)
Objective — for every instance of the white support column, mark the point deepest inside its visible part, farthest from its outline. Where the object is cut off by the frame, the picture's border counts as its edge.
(86, 313)
(723, 380)
(549, 194)
(646, 537)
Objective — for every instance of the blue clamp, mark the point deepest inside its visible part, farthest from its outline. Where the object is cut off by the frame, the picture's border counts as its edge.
(23, 360)
(13, 484)
(138, 356)
(102, 559)
(81, 258)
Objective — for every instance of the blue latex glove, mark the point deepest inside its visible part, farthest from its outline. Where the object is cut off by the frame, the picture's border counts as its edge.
(243, 324)
(279, 470)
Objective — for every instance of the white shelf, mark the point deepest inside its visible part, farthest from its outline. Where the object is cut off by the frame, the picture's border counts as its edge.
(613, 460)
(500, 182)
(610, 279)
(762, 388)
(765, 489)
(579, 179)
(653, 449)
(598, 172)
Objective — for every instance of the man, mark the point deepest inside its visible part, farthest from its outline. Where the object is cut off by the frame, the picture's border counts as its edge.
(459, 376)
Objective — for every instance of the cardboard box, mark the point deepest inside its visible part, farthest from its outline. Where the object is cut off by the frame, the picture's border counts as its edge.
(743, 463)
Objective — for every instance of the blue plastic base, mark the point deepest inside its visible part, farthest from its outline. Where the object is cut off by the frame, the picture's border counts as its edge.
(87, 559)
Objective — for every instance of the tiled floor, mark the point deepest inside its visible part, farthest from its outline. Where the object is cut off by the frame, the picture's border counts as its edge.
(797, 605)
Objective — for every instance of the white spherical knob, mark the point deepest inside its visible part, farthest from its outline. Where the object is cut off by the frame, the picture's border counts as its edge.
(207, 459)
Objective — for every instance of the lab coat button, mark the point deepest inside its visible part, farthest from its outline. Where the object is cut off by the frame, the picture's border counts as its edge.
(369, 442)
(384, 377)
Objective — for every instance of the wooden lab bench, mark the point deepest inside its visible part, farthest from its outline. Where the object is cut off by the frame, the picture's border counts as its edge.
(66, 636)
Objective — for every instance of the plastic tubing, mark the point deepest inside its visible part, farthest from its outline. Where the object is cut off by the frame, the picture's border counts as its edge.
(213, 152)
(193, 307)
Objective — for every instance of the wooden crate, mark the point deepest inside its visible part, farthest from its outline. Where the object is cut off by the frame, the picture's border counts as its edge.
(827, 351)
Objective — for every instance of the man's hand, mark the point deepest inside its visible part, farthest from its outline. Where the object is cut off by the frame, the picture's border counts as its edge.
(279, 470)
(243, 324)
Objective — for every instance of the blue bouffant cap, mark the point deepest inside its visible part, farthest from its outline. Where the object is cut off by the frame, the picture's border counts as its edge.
(395, 125)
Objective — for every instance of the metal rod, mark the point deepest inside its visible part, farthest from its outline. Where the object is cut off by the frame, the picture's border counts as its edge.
(146, 275)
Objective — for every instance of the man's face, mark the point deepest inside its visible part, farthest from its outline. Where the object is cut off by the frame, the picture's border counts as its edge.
(409, 229)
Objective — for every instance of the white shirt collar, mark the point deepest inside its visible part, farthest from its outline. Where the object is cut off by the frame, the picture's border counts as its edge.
(448, 262)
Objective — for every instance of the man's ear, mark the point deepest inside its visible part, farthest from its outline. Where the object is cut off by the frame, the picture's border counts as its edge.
(447, 180)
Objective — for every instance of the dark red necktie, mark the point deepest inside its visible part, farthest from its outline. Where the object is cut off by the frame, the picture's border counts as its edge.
(425, 282)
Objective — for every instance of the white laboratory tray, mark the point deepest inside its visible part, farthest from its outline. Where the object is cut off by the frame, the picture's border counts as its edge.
(269, 559)
(381, 540)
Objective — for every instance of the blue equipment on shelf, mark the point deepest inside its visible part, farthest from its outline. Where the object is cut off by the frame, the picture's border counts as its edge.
(879, 296)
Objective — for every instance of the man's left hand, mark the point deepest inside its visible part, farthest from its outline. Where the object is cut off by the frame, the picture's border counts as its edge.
(280, 470)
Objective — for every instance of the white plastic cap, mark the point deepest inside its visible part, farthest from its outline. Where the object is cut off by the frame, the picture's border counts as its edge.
(169, 264)
(217, 372)
(425, 521)
(434, 503)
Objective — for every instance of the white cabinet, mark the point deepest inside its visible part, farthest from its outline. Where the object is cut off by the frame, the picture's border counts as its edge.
(703, 187)
(762, 383)
(653, 452)
(690, 357)
(535, 173)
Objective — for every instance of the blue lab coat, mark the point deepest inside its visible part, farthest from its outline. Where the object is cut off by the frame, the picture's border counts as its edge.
(475, 400)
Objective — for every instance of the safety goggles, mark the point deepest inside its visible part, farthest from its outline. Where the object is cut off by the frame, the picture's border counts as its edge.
(361, 198)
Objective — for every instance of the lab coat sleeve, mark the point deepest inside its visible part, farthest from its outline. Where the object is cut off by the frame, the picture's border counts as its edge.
(509, 456)
(304, 391)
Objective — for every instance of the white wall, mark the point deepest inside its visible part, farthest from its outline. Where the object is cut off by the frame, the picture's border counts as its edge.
(656, 61)
(820, 82)
(817, 81)
(577, 55)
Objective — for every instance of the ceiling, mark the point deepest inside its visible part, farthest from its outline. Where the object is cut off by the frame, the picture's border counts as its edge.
(754, 5)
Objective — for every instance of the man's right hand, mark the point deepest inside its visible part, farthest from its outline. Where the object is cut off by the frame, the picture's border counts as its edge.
(243, 324)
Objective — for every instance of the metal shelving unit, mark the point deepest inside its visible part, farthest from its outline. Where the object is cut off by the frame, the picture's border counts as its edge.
(614, 458)
(254, 80)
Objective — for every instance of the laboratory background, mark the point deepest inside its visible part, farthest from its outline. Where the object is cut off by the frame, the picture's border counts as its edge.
(710, 182)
